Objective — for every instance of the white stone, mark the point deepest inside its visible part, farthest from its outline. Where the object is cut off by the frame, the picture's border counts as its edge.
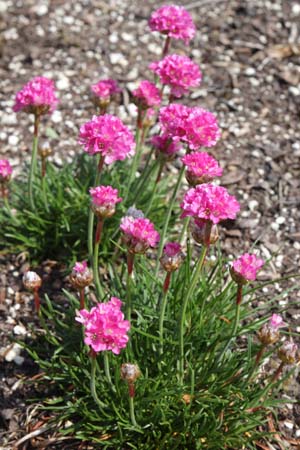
(288, 424)
(3, 6)
(280, 220)
(69, 20)
(13, 352)
(115, 58)
(252, 204)
(63, 83)
(13, 140)
(113, 38)
(41, 9)
(250, 71)
(294, 90)
(296, 9)
(20, 330)
(56, 117)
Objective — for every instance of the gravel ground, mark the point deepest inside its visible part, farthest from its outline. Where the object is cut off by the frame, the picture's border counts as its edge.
(249, 53)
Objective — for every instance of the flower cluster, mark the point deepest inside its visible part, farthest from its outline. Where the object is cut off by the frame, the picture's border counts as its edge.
(105, 327)
(108, 136)
(81, 276)
(165, 146)
(194, 126)
(37, 96)
(104, 89)
(245, 268)
(104, 200)
(5, 170)
(139, 234)
(210, 202)
(147, 95)
(179, 72)
(174, 21)
(201, 168)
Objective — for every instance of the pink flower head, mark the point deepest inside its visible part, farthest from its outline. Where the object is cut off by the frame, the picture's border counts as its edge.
(172, 257)
(5, 170)
(104, 200)
(201, 168)
(172, 248)
(139, 234)
(80, 267)
(245, 268)
(179, 72)
(173, 21)
(104, 326)
(104, 89)
(165, 146)
(147, 95)
(210, 202)
(194, 126)
(108, 136)
(276, 321)
(37, 97)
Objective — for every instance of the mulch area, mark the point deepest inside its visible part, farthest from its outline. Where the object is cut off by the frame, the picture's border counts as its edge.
(249, 53)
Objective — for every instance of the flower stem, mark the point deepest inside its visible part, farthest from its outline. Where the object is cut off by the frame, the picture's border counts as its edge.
(107, 371)
(36, 300)
(33, 160)
(167, 220)
(166, 46)
(194, 280)
(162, 312)
(278, 372)
(99, 289)
(93, 385)
(130, 260)
(235, 327)
(132, 414)
(81, 294)
(136, 158)
(91, 213)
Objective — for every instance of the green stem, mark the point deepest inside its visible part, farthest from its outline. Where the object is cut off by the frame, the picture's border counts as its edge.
(161, 320)
(98, 286)
(91, 213)
(93, 385)
(132, 415)
(143, 180)
(130, 260)
(33, 160)
(194, 280)
(107, 370)
(45, 193)
(184, 228)
(234, 330)
(136, 159)
(167, 220)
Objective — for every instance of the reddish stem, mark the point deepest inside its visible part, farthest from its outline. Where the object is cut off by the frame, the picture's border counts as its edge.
(207, 232)
(166, 46)
(131, 389)
(92, 353)
(3, 191)
(278, 372)
(259, 355)
(140, 118)
(36, 299)
(130, 261)
(81, 293)
(101, 163)
(239, 294)
(36, 125)
(98, 231)
(43, 166)
(167, 282)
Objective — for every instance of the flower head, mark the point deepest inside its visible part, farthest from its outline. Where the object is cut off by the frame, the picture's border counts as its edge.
(139, 234)
(245, 268)
(201, 168)
(104, 326)
(194, 126)
(147, 95)
(288, 352)
(37, 96)
(174, 21)
(276, 322)
(32, 280)
(179, 72)
(108, 136)
(165, 146)
(130, 372)
(104, 200)
(104, 89)
(5, 170)
(209, 202)
(81, 276)
(172, 256)
(269, 332)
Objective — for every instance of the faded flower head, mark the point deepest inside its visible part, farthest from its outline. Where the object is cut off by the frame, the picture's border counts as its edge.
(130, 372)
(138, 234)
(269, 332)
(288, 352)
(174, 21)
(81, 276)
(209, 202)
(204, 232)
(165, 146)
(32, 281)
(104, 326)
(108, 136)
(201, 168)
(104, 89)
(179, 72)
(245, 268)
(195, 126)
(37, 97)
(5, 170)
(104, 200)
(172, 256)
(147, 95)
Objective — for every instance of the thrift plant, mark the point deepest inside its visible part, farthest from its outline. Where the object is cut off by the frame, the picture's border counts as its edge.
(180, 362)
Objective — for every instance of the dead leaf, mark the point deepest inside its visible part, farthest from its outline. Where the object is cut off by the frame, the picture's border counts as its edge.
(282, 51)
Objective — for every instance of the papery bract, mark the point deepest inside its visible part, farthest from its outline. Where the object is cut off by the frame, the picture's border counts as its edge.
(147, 95)
(172, 256)
(179, 72)
(37, 96)
(108, 136)
(139, 234)
(81, 276)
(210, 202)
(5, 170)
(173, 21)
(104, 326)
(246, 267)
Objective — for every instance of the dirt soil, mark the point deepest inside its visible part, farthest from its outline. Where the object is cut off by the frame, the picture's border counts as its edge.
(249, 53)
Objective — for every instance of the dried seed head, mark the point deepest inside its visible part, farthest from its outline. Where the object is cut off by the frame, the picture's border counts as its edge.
(288, 352)
(32, 281)
(81, 276)
(130, 372)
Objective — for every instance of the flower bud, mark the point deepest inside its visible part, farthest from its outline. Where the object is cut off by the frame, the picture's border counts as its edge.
(45, 150)
(268, 335)
(172, 256)
(130, 372)
(81, 276)
(201, 232)
(32, 281)
(287, 353)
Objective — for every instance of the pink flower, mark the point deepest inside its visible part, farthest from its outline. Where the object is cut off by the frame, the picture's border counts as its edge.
(172, 249)
(147, 95)
(165, 145)
(80, 267)
(276, 321)
(139, 234)
(179, 72)
(210, 202)
(108, 136)
(5, 170)
(194, 126)
(37, 96)
(104, 89)
(172, 257)
(104, 200)
(245, 268)
(173, 21)
(105, 327)
(81, 276)
(201, 168)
